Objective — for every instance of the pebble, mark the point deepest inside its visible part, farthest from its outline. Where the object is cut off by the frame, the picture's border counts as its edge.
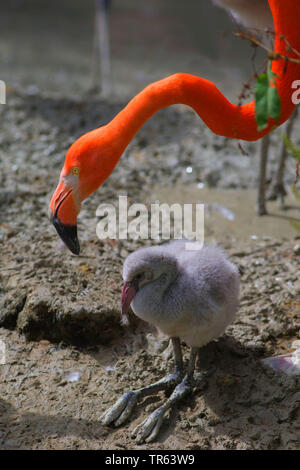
(297, 249)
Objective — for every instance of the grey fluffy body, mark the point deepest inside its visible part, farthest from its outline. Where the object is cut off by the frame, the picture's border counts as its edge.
(193, 295)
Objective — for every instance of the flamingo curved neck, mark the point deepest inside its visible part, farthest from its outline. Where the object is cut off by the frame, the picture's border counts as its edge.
(221, 116)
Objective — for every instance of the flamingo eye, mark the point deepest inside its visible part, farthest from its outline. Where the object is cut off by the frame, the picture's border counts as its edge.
(75, 170)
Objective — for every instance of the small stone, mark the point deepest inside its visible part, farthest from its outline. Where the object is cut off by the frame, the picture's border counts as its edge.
(297, 249)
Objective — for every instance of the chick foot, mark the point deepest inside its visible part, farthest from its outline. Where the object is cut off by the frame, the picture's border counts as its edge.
(122, 409)
(148, 430)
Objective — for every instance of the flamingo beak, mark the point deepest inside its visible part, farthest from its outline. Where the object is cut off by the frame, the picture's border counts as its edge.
(128, 293)
(64, 217)
(68, 234)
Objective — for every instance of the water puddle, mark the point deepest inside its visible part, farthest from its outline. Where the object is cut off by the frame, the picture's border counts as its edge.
(230, 213)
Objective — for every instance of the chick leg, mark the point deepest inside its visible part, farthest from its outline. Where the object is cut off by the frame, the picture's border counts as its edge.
(149, 428)
(122, 409)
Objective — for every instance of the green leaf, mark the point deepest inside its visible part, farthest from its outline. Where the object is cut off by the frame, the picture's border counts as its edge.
(267, 99)
(274, 105)
(271, 75)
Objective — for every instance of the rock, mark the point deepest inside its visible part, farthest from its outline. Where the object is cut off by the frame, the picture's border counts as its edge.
(297, 249)
(36, 315)
(10, 307)
(77, 323)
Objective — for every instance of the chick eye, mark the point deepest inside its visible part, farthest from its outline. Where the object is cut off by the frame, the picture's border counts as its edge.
(75, 170)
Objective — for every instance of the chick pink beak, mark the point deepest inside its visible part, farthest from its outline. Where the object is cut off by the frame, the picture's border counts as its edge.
(127, 295)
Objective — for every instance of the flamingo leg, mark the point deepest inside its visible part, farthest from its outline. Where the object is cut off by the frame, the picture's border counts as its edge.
(264, 150)
(122, 409)
(101, 56)
(277, 190)
(149, 428)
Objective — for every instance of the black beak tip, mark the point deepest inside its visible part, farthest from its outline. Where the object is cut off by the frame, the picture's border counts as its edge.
(68, 234)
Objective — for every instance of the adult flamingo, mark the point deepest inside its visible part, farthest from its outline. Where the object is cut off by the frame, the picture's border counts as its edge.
(91, 159)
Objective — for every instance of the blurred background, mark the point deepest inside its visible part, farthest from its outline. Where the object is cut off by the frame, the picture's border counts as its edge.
(51, 44)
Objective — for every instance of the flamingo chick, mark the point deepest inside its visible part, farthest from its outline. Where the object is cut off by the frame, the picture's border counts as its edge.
(190, 295)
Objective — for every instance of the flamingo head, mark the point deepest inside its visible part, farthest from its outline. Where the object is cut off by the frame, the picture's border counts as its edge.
(88, 163)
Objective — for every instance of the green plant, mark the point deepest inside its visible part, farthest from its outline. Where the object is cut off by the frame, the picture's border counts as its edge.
(267, 99)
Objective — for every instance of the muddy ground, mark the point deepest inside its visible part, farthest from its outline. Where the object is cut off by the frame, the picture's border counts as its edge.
(67, 356)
